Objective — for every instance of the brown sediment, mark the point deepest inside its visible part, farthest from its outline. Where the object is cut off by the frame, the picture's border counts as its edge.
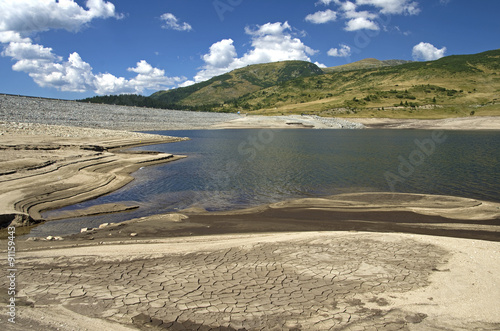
(374, 212)
(105, 208)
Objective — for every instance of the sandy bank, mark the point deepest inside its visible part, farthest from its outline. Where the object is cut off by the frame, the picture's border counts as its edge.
(461, 123)
(316, 122)
(46, 167)
(287, 122)
(286, 281)
(375, 212)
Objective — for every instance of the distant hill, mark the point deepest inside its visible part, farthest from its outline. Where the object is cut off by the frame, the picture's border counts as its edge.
(458, 85)
(237, 83)
(365, 64)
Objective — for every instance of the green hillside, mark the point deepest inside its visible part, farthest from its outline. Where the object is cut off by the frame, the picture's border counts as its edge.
(458, 85)
(237, 83)
(442, 88)
(365, 64)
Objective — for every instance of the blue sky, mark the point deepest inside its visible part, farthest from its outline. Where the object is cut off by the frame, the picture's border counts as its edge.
(74, 49)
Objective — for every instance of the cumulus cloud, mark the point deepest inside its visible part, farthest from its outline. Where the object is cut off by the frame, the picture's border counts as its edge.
(343, 51)
(325, 2)
(221, 54)
(21, 18)
(172, 22)
(366, 19)
(361, 23)
(321, 17)
(27, 16)
(270, 42)
(406, 7)
(75, 75)
(427, 52)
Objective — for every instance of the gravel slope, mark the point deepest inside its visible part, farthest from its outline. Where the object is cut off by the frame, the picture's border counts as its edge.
(72, 113)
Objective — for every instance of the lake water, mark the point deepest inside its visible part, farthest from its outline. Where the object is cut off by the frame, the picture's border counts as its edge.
(230, 169)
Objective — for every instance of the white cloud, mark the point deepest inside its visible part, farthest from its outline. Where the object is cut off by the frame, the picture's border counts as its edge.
(321, 17)
(270, 42)
(406, 7)
(24, 17)
(368, 18)
(172, 22)
(361, 23)
(427, 52)
(221, 54)
(75, 75)
(150, 78)
(27, 16)
(343, 51)
(28, 51)
(187, 83)
(325, 2)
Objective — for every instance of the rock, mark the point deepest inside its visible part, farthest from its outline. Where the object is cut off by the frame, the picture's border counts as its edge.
(141, 319)
(175, 217)
(133, 234)
(50, 238)
(103, 225)
(416, 318)
(58, 238)
(85, 230)
(16, 220)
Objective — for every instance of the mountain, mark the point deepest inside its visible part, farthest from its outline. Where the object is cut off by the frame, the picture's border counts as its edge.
(237, 83)
(458, 85)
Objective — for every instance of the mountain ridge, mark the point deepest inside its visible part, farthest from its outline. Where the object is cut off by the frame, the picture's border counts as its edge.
(360, 88)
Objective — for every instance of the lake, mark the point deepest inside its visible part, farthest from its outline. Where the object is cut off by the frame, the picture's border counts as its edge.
(231, 169)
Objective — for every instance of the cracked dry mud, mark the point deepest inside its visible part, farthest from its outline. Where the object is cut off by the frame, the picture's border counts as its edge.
(337, 282)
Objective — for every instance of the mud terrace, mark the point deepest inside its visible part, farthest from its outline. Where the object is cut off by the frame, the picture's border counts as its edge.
(290, 281)
(48, 166)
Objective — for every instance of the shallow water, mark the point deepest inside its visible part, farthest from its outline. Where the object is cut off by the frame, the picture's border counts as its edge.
(230, 169)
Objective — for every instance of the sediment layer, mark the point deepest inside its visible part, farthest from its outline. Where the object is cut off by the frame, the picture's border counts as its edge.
(41, 172)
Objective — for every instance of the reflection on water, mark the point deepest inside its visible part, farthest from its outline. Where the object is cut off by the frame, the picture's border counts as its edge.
(228, 169)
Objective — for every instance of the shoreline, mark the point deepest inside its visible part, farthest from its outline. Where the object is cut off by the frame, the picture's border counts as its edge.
(376, 212)
(457, 123)
(350, 260)
(49, 167)
(74, 164)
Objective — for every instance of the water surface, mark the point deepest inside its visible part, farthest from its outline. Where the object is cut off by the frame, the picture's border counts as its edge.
(230, 169)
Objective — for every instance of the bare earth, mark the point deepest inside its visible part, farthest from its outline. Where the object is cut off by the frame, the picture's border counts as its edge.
(461, 123)
(46, 167)
(348, 262)
(297, 121)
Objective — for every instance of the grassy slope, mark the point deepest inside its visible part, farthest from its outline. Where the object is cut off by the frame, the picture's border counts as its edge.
(238, 83)
(449, 87)
(452, 83)
(364, 64)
